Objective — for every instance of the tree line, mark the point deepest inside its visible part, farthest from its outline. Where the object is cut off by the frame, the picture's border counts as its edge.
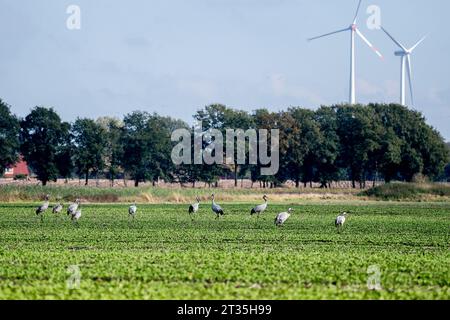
(375, 142)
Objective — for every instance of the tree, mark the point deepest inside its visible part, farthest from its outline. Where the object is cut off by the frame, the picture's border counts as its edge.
(160, 165)
(147, 146)
(42, 135)
(135, 141)
(90, 143)
(327, 151)
(408, 145)
(434, 152)
(211, 117)
(309, 139)
(113, 150)
(264, 119)
(9, 137)
(64, 156)
(358, 137)
(447, 167)
(237, 120)
(447, 173)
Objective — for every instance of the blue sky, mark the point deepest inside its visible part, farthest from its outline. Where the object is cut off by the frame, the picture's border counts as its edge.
(176, 56)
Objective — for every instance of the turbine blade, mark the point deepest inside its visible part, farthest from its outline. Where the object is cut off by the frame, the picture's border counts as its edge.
(393, 39)
(357, 11)
(328, 34)
(378, 53)
(408, 60)
(417, 44)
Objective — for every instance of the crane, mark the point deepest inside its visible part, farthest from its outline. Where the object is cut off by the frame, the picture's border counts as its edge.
(260, 208)
(282, 217)
(216, 208)
(43, 207)
(340, 221)
(132, 210)
(57, 208)
(73, 207)
(193, 208)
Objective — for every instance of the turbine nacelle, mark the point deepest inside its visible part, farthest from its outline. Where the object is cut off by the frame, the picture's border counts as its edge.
(401, 53)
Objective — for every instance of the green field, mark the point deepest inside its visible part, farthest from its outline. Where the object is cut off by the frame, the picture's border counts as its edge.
(164, 255)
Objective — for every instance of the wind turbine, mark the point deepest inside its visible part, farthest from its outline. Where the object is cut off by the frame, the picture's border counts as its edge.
(405, 55)
(354, 31)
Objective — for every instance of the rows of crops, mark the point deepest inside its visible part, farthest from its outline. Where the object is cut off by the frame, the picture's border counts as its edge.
(164, 255)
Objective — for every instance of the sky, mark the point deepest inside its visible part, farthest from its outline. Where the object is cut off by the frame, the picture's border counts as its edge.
(174, 57)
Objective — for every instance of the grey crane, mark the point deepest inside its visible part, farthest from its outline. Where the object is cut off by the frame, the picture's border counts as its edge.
(340, 221)
(216, 208)
(73, 207)
(261, 208)
(282, 217)
(193, 208)
(43, 207)
(76, 216)
(132, 210)
(57, 208)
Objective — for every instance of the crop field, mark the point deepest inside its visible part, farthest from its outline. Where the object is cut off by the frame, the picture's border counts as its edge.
(401, 248)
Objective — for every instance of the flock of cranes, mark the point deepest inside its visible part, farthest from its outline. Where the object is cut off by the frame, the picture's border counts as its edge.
(74, 211)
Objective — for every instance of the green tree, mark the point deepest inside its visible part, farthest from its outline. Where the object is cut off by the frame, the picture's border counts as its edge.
(135, 141)
(359, 140)
(308, 139)
(409, 146)
(113, 128)
(327, 151)
(160, 145)
(90, 143)
(264, 119)
(212, 117)
(42, 135)
(9, 137)
(238, 120)
(65, 153)
(147, 146)
(447, 173)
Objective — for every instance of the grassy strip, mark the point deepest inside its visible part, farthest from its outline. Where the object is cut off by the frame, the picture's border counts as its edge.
(409, 191)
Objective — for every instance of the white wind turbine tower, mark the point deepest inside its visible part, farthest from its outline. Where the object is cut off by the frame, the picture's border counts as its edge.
(354, 31)
(405, 55)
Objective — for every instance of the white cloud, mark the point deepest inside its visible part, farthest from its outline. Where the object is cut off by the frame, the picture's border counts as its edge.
(200, 88)
(283, 88)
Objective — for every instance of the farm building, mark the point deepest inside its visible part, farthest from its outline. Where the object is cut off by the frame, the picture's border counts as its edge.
(20, 168)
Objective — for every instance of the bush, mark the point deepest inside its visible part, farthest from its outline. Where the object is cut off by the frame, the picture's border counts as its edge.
(407, 191)
(20, 177)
